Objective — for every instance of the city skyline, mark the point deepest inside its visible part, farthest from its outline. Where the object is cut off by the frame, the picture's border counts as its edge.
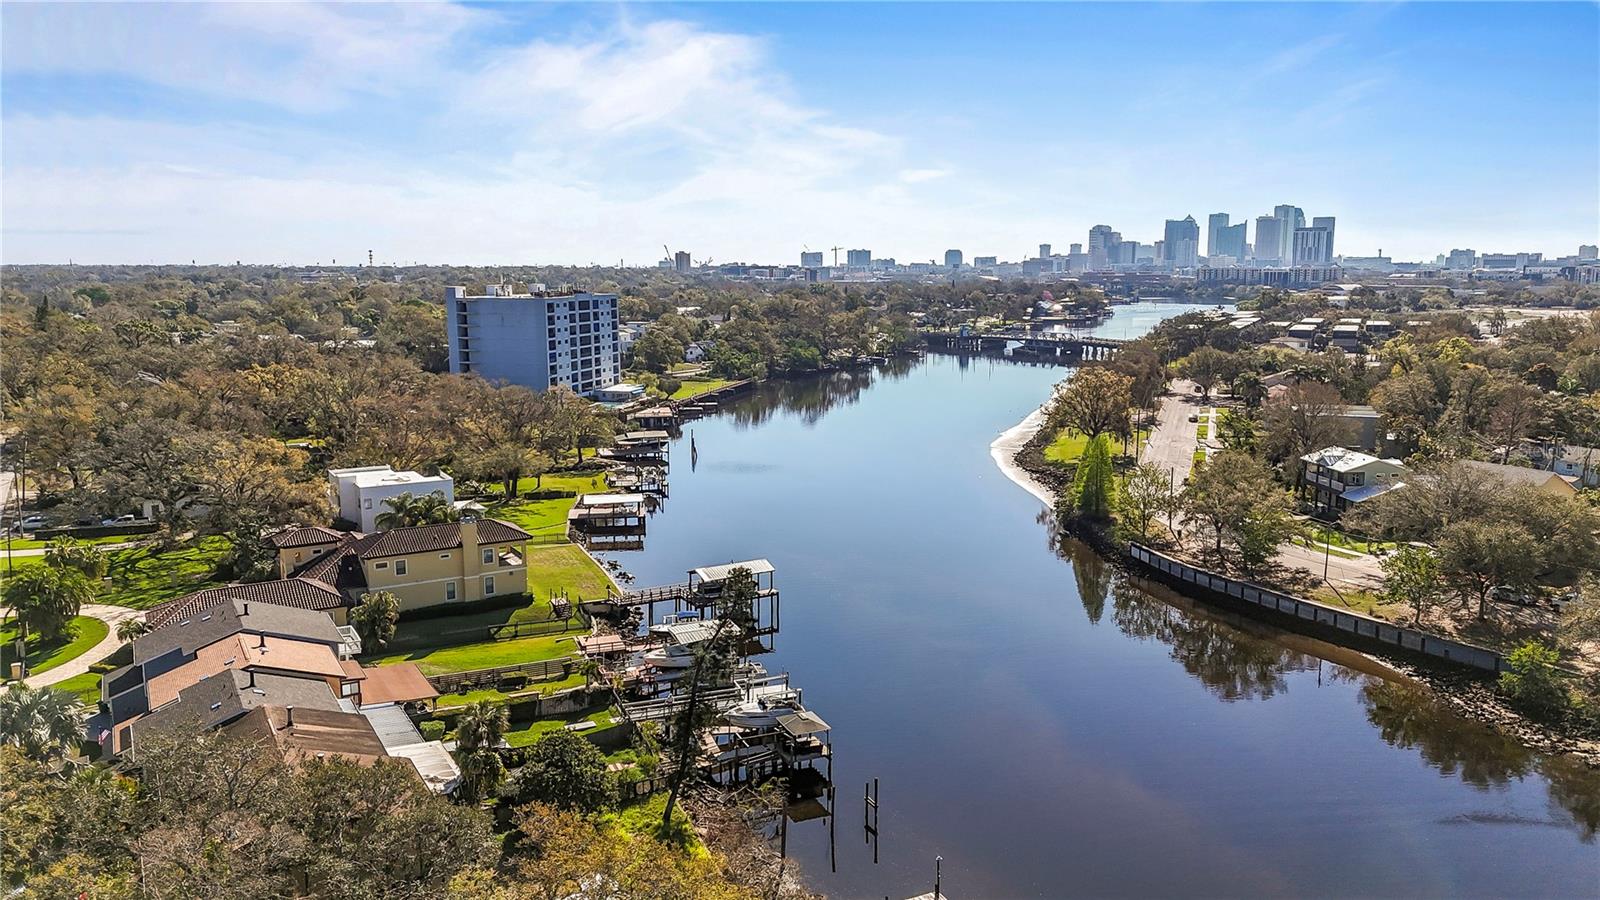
(577, 135)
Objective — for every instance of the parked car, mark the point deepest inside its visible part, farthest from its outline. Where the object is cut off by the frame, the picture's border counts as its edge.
(1507, 594)
(120, 520)
(32, 523)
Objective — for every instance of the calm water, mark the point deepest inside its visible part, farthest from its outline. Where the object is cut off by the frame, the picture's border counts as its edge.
(1052, 728)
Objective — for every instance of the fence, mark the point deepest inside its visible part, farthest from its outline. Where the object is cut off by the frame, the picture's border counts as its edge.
(532, 629)
(1341, 621)
(455, 682)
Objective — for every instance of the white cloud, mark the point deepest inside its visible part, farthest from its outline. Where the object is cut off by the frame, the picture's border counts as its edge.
(917, 176)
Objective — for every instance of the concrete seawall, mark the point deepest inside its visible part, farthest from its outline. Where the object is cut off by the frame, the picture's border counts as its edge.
(1332, 623)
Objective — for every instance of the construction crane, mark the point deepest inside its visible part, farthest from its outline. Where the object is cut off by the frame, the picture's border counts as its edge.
(667, 250)
(836, 256)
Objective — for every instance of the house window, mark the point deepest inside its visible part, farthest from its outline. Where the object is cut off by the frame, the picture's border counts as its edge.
(1355, 479)
(488, 556)
(382, 565)
(444, 556)
(349, 688)
(450, 590)
(399, 567)
(488, 585)
(366, 502)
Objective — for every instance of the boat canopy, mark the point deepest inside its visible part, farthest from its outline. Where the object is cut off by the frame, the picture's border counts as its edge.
(715, 574)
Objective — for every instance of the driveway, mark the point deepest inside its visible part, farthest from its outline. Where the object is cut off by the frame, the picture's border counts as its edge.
(111, 615)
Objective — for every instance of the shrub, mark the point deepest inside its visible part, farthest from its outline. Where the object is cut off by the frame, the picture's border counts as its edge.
(1533, 683)
(432, 730)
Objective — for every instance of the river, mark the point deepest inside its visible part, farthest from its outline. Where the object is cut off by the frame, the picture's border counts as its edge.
(1053, 728)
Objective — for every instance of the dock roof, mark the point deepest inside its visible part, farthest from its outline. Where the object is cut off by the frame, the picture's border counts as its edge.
(802, 723)
(721, 573)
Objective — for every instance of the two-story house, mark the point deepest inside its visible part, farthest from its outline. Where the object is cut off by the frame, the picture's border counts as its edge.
(1334, 479)
(426, 565)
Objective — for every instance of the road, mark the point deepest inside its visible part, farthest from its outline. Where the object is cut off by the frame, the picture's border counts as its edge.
(1171, 447)
(1172, 443)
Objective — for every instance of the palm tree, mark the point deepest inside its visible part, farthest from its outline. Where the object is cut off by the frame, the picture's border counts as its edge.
(407, 510)
(46, 598)
(480, 726)
(39, 721)
(376, 618)
(131, 628)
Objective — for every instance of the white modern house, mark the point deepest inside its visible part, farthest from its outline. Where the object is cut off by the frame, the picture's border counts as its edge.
(360, 492)
(1335, 479)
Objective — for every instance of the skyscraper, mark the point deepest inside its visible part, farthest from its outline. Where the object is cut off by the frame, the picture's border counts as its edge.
(1229, 242)
(1214, 225)
(858, 258)
(1325, 222)
(811, 259)
(504, 336)
(1269, 240)
(680, 261)
(952, 259)
(1100, 247)
(1044, 251)
(1312, 246)
(1292, 217)
(1181, 242)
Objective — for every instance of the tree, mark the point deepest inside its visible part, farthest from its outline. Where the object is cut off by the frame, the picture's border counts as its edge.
(46, 598)
(1411, 576)
(1306, 418)
(375, 618)
(1205, 367)
(564, 770)
(1532, 682)
(1237, 430)
(1516, 409)
(39, 721)
(481, 725)
(407, 511)
(68, 553)
(131, 629)
(246, 482)
(1094, 485)
(1475, 557)
(1092, 402)
(657, 350)
(1144, 494)
(150, 459)
(1232, 496)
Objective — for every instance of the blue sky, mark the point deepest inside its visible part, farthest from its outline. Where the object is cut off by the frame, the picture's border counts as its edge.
(505, 133)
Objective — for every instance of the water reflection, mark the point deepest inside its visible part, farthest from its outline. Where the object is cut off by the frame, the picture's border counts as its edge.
(811, 398)
(1216, 649)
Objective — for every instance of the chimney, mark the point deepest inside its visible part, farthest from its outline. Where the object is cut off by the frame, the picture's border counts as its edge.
(469, 537)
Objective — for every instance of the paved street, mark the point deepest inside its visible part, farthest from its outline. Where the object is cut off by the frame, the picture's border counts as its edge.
(1171, 445)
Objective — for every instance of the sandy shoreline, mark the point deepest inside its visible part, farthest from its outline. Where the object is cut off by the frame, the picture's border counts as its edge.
(1004, 451)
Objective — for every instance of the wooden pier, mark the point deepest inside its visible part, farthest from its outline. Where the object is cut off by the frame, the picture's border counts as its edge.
(1063, 347)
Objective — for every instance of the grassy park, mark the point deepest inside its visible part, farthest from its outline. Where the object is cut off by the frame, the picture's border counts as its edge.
(690, 388)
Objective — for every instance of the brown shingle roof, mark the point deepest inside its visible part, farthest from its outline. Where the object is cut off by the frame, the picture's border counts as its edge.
(341, 567)
(300, 592)
(305, 734)
(306, 536)
(429, 538)
(397, 683)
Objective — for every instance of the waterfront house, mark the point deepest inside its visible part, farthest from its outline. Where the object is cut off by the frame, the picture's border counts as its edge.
(1581, 465)
(1334, 479)
(1521, 476)
(425, 565)
(621, 392)
(361, 492)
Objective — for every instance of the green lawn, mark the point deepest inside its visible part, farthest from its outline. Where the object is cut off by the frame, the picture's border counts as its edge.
(83, 633)
(482, 654)
(531, 732)
(1202, 431)
(85, 687)
(447, 701)
(143, 577)
(644, 818)
(694, 387)
(1067, 447)
(39, 544)
(556, 567)
(1340, 539)
(1331, 550)
(548, 516)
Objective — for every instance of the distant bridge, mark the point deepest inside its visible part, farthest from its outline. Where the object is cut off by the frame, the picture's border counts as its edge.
(1062, 346)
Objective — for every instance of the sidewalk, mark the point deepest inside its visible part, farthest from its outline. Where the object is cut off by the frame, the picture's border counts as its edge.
(112, 616)
(1171, 444)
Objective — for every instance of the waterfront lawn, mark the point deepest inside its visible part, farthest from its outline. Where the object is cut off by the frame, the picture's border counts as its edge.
(447, 701)
(83, 632)
(85, 687)
(1068, 447)
(694, 387)
(482, 654)
(546, 517)
(1337, 538)
(1364, 602)
(553, 568)
(602, 719)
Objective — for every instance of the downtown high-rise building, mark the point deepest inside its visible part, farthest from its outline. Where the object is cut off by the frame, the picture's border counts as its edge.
(1181, 243)
(811, 259)
(1214, 225)
(1223, 239)
(858, 258)
(952, 259)
(1290, 217)
(1103, 242)
(1269, 240)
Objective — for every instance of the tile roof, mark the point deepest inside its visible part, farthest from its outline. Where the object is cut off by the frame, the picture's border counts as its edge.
(306, 536)
(299, 592)
(222, 698)
(429, 538)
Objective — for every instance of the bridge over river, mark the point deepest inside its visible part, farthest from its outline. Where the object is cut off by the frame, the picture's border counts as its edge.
(1065, 346)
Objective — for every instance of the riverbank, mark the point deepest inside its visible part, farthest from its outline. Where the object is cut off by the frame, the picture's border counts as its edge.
(1470, 695)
